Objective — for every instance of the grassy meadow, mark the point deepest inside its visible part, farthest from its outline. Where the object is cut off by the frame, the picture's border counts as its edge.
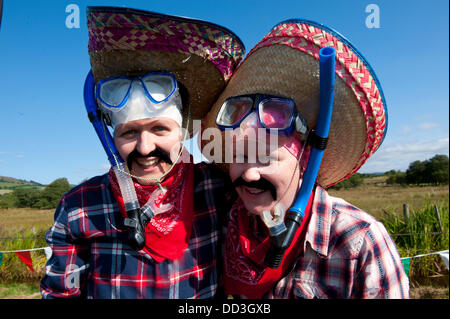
(428, 275)
(377, 198)
(22, 228)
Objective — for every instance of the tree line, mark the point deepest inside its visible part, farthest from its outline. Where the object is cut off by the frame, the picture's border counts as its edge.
(434, 171)
(46, 198)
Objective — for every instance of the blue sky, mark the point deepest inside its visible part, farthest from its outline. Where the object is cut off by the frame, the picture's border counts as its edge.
(44, 130)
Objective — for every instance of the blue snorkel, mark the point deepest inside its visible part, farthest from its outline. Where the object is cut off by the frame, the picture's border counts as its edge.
(91, 108)
(318, 141)
(134, 220)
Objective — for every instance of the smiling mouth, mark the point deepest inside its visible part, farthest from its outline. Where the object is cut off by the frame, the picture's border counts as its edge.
(147, 163)
(254, 191)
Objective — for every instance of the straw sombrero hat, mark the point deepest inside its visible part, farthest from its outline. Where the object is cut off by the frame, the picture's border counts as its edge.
(201, 55)
(285, 63)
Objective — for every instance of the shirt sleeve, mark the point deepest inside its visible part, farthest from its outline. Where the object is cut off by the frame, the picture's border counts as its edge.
(66, 270)
(381, 274)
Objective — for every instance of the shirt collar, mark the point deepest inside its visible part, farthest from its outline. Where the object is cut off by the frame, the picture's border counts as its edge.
(318, 234)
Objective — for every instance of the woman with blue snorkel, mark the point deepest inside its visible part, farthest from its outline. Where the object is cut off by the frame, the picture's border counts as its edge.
(286, 237)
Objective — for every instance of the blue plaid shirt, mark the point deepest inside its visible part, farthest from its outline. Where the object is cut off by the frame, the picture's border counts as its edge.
(91, 257)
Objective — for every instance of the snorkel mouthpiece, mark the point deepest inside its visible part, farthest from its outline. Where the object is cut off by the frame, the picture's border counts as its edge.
(296, 214)
(136, 236)
(281, 242)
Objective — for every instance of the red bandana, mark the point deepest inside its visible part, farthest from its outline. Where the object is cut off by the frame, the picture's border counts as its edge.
(245, 272)
(168, 233)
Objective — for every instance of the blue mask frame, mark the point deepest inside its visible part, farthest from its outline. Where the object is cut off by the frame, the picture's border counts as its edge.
(257, 100)
(131, 79)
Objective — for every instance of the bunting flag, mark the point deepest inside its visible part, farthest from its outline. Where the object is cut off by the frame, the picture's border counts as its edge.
(25, 256)
(48, 252)
(444, 256)
(406, 262)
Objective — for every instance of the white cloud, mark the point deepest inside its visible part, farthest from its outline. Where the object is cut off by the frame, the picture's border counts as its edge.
(421, 127)
(399, 156)
(425, 126)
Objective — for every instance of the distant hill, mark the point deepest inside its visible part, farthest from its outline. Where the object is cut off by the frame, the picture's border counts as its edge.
(12, 183)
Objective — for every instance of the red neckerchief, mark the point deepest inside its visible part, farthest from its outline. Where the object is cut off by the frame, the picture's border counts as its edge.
(245, 272)
(168, 233)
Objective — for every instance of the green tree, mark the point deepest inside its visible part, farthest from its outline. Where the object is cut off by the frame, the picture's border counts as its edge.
(397, 178)
(434, 171)
(353, 181)
(415, 173)
(8, 200)
(437, 169)
(25, 197)
(51, 194)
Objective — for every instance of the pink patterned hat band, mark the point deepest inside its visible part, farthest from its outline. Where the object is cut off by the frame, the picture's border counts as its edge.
(142, 30)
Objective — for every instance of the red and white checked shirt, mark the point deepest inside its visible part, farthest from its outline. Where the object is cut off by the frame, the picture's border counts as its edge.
(347, 254)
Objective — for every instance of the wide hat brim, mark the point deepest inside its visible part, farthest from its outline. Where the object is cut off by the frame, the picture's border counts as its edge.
(285, 63)
(131, 42)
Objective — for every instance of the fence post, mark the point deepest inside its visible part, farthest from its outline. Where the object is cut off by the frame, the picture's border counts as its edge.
(405, 211)
(436, 209)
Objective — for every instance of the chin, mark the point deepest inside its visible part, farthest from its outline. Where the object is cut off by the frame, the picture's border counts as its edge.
(256, 204)
(155, 172)
(257, 209)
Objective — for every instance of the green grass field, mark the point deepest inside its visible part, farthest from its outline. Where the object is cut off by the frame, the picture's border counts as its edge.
(374, 196)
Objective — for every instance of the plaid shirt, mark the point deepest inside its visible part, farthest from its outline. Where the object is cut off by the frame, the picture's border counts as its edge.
(91, 258)
(347, 254)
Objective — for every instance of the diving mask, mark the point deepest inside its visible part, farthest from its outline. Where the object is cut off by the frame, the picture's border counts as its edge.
(123, 99)
(276, 114)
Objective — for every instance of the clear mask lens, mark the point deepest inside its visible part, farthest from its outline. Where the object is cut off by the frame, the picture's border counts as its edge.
(159, 86)
(113, 92)
(234, 110)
